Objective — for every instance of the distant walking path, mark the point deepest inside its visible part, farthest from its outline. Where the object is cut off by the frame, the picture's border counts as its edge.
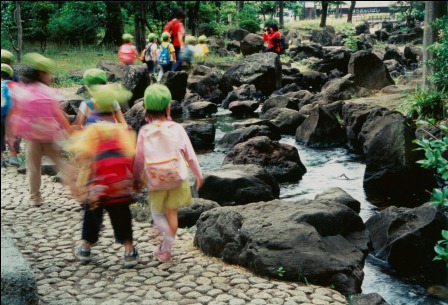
(46, 237)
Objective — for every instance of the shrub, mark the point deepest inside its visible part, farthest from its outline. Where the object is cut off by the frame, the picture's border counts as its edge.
(425, 104)
(271, 20)
(252, 26)
(351, 41)
(440, 50)
(206, 29)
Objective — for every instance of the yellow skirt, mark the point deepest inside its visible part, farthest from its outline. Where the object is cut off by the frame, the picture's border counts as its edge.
(170, 199)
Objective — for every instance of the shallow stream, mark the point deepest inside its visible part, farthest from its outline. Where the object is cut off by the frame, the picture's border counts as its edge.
(328, 168)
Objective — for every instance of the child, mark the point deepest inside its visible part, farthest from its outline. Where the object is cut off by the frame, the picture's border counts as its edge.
(167, 56)
(127, 53)
(37, 117)
(149, 55)
(87, 113)
(7, 83)
(164, 203)
(8, 58)
(106, 151)
(202, 49)
(188, 53)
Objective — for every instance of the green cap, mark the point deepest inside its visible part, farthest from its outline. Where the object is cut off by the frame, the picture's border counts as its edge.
(39, 62)
(190, 39)
(157, 97)
(202, 38)
(7, 57)
(127, 37)
(151, 37)
(104, 96)
(165, 35)
(6, 68)
(94, 77)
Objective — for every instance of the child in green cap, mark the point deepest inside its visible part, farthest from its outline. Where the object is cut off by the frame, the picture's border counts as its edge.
(7, 86)
(127, 53)
(156, 138)
(106, 152)
(36, 116)
(149, 56)
(88, 112)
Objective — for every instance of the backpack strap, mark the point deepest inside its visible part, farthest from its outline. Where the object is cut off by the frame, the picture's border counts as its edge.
(90, 104)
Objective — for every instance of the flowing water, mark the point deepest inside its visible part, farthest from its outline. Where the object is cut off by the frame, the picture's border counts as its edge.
(328, 168)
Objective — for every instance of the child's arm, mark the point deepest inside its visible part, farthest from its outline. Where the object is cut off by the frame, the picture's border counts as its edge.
(191, 158)
(120, 117)
(139, 162)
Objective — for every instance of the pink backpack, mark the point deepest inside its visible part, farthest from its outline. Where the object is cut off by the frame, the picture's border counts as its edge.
(165, 166)
(34, 117)
(126, 54)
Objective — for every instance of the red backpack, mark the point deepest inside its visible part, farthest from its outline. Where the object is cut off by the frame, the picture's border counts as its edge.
(111, 174)
(126, 54)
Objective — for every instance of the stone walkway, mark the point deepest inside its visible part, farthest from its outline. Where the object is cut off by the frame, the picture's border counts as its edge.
(46, 237)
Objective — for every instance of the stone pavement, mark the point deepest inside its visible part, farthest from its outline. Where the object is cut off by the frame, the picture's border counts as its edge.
(46, 237)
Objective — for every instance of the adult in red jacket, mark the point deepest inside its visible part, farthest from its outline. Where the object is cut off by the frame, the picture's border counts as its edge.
(177, 31)
(272, 36)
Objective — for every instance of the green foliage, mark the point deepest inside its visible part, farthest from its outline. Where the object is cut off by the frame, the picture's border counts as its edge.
(423, 104)
(78, 22)
(271, 20)
(442, 248)
(252, 26)
(351, 41)
(280, 271)
(440, 51)
(435, 149)
(206, 29)
(406, 9)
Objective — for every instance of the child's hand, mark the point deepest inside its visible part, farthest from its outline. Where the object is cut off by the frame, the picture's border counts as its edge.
(138, 186)
(199, 183)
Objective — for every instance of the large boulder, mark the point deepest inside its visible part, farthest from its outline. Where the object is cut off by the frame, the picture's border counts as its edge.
(263, 70)
(320, 129)
(237, 34)
(280, 160)
(337, 59)
(238, 185)
(251, 44)
(391, 168)
(323, 242)
(325, 37)
(176, 83)
(136, 81)
(369, 71)
(287, 120)
(201, 134)
(242, 93)
(406, 237)
(189, 214)
(243, 134)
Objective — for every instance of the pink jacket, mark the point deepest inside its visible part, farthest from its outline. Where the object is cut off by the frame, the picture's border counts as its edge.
(184, 145)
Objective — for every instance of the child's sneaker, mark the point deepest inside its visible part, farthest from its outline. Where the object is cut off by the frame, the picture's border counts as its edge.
(14, 161)
(131, 259)
(83, 254)
(3, 163)
(162, 256)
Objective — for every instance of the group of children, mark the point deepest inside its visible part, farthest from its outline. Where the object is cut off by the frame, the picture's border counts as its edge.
(113, 163)
(164, 54)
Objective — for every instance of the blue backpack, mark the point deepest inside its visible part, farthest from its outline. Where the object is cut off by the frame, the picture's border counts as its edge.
(164, 56)
(6, 98)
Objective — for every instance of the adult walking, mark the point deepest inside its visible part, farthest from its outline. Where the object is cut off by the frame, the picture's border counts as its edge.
(272, 36)
(177, 31)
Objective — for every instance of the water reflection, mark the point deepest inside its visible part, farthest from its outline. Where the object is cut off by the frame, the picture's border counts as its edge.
(328, 168)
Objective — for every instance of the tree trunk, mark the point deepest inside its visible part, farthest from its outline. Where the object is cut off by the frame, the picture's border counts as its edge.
(140, 25)
(19, 31)
(433, 11)
(323, 19)
(195, 17)
(281, 13)
(114, 24)
(239, 5)
(350, 11)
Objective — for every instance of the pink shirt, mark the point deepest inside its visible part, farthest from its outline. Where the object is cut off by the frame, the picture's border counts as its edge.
(184, 145)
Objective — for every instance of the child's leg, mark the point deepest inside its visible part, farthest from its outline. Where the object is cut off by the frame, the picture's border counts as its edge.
(93, 218)
(54, 153)
(172, 221)
(121, 220)
(34, 152)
